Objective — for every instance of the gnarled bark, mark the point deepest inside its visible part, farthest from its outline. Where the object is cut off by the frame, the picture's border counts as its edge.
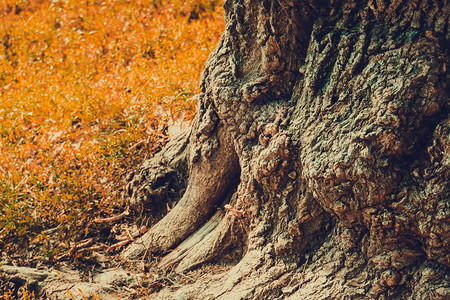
(319, 153)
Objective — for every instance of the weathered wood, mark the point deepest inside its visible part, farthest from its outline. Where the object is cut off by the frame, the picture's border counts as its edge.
(328, 121)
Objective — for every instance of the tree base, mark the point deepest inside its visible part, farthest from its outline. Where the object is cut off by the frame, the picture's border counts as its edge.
(322, 133)
(332, 271)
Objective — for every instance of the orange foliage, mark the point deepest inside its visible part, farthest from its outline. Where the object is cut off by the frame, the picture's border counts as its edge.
(87, 89)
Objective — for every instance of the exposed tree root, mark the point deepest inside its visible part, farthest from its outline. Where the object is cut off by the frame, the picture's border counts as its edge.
(205, 244)
(341, 149)
(209, 181)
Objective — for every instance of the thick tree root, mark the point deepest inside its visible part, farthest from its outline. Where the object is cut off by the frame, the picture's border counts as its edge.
(209, 181)
(208, 242)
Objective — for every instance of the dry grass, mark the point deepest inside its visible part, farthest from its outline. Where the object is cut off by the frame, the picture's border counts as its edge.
(87, 89)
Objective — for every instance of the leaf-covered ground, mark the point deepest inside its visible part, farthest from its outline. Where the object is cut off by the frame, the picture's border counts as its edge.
(88, 89)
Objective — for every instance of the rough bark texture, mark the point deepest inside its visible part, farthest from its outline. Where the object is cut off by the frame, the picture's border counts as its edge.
(319, 156)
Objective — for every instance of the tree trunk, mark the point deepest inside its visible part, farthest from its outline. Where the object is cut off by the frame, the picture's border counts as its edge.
(318, 159)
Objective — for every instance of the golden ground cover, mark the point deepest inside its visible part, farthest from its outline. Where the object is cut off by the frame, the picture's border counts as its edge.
(87, 89)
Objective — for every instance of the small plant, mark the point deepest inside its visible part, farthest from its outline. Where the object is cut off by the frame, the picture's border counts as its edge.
(24, 294)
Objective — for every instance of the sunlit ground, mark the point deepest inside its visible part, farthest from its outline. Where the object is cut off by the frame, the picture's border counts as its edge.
(87, 90)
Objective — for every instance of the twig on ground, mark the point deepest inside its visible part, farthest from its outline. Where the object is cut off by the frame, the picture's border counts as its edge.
(130, 237)
(79, 245)
(133, 235)
(112, 219)
(117, 245)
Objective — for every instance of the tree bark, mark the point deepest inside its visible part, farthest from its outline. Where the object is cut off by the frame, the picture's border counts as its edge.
(319, 156)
